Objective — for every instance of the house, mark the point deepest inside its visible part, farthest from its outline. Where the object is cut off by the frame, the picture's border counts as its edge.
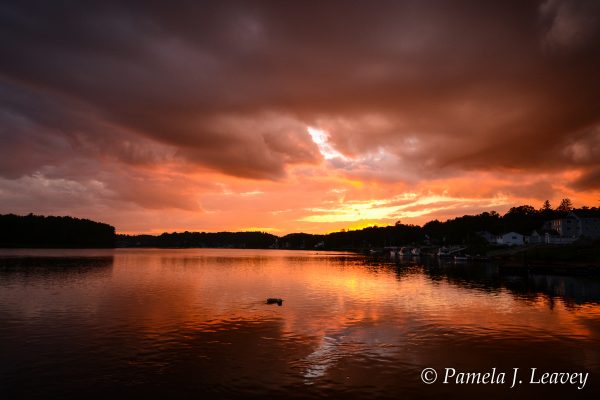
(553, 238)
(566, 227)
(534, 238)
(589, 227)
(511, 239)
(574, 226)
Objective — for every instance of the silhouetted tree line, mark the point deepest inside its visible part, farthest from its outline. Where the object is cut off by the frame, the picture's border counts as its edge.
(249, 240)
(39, 231)
(357, 239)
(462, 230)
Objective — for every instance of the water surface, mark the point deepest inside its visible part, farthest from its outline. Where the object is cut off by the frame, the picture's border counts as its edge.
(194, 324)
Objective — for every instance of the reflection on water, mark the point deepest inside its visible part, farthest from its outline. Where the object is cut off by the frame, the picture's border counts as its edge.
(194, 323)
(532, 286)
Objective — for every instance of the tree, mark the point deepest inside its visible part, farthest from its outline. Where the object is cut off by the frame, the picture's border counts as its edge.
(565, 205)
(522, 210)
(522, 219)
(39, 231)
(546, 206)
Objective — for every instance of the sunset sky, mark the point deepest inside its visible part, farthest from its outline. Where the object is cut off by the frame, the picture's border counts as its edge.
(286, 116)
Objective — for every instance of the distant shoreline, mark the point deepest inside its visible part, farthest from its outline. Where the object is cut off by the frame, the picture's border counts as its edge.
(471, 235)
(506, 266)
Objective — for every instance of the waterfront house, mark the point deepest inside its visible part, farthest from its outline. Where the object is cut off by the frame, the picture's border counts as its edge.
(534, 238)
(554, 238)
(574, 226)
(511, 239)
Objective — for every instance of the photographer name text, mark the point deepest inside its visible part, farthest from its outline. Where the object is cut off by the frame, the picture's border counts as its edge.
(514, 378)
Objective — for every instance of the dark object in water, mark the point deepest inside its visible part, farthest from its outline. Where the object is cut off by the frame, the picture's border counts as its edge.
(273, 300)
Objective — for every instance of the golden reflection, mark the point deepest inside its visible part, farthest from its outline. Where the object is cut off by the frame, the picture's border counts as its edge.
(323, 294)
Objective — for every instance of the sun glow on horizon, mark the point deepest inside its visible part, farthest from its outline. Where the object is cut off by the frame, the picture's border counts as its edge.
(410, 206)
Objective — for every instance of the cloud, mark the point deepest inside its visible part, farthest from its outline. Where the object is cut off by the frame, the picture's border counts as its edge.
(149, 99)
(255, 147)
(236, 78)
(570, 24)
(589, 180)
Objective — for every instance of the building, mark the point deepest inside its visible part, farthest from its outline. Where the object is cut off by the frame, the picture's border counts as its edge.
(550, 238)
(511, 239)
(574, 227)
(534, 238)
(565, 227)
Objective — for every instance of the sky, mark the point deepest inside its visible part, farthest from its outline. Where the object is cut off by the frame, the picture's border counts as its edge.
(310, 116)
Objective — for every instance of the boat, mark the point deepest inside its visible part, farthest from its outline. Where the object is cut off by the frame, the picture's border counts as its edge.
(416, 251)
(462, 258)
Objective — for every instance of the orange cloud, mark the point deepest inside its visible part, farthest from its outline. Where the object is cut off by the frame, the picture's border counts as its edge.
(288, 117)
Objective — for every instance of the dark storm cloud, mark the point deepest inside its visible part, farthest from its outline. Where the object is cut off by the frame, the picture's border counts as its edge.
(40, 129)
(590, 180)
(232, 86)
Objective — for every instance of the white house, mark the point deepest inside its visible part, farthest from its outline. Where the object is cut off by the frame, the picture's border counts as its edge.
(511, 239)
